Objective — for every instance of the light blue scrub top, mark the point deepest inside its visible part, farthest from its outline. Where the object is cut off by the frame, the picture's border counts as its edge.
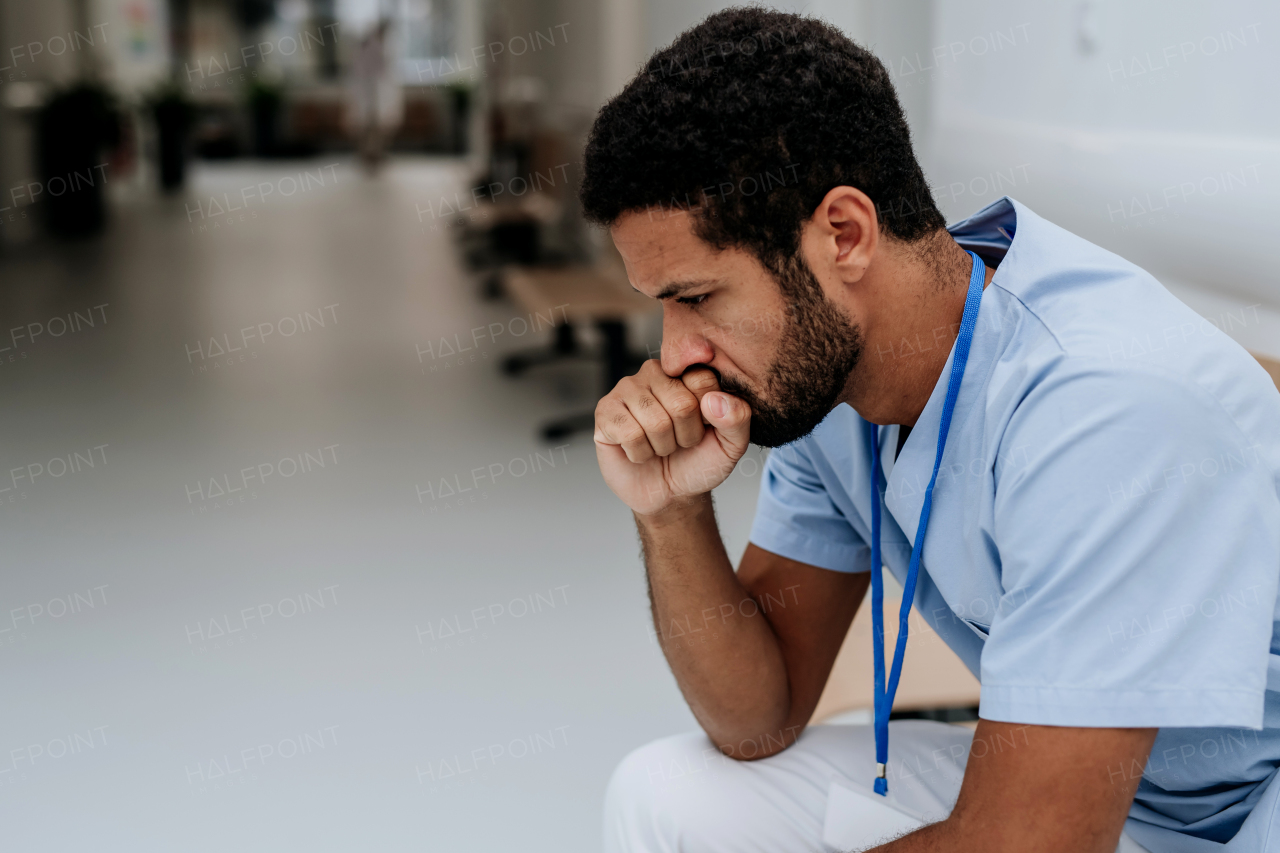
(1104, 548)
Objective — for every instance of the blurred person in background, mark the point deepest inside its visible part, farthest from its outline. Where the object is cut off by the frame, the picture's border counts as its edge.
(377, 101)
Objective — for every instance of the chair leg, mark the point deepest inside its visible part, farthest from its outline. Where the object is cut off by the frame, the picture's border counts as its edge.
(618, 362)
(617, 358)
(582, 422)
(565, 345)
(491, 290)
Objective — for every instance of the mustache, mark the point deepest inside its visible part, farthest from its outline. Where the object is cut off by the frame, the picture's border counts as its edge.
(733, 386)
(729, 385)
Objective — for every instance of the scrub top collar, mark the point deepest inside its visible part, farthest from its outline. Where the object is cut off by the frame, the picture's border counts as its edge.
(991, 233)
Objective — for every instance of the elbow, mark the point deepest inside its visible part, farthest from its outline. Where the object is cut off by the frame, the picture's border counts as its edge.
(757, 745)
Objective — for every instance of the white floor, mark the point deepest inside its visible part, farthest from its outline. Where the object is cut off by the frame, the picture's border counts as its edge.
(272, 669)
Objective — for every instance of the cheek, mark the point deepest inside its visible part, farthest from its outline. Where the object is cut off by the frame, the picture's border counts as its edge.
(749, 332)
(747, 348)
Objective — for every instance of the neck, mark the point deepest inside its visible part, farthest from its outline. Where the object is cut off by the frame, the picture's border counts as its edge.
(919, 294)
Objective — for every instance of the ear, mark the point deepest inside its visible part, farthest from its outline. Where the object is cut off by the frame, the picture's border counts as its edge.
(843, 234)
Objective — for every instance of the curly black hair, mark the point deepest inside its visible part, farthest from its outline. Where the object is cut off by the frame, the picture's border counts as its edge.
(751, 117)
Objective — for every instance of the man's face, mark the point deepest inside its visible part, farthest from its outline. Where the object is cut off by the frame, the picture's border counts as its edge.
(779, 344)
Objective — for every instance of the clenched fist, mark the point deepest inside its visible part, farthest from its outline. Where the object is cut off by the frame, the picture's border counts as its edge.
(660, 439)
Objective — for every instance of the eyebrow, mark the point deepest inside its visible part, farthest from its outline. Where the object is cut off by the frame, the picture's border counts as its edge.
(677, 288)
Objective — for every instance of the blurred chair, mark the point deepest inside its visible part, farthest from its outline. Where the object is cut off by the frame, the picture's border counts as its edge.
(423, 126)
(527, 199)
(316, 117)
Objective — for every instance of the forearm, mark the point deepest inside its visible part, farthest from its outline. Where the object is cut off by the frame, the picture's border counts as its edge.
(715, 636)
(942, 837)
(958, 833)
(1045, 788)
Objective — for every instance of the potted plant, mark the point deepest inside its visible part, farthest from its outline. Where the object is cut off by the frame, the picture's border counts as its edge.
(174, 114)
(74, 130)
(459, 93)
(265, 103)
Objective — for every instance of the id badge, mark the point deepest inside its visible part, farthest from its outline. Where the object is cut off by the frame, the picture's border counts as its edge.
(859, 819)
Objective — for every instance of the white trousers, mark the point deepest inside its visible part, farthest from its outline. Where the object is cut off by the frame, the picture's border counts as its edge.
(681, 795)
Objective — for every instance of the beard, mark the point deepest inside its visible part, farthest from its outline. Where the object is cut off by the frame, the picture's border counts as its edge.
(819, 349)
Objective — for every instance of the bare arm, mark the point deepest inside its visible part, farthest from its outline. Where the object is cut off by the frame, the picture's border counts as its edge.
(752, 651)
(1052, 789)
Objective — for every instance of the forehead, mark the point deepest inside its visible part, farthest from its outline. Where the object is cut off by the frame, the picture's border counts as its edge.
(659, 248)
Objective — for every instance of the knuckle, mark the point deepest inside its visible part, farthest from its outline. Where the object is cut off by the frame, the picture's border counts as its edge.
(651, 371)
(631, 434)
(640, 452)
(622, 425)
(659, 425)
(611, 415)
(691, 441)
(684, 406)
(651, 415)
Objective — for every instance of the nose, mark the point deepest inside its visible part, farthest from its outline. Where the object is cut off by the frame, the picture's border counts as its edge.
(683, 344)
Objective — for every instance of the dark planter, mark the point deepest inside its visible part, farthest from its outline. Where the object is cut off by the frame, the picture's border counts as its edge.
(265, 115)
(460, 102)
(73, 133)
(173, 130)
(265, 104)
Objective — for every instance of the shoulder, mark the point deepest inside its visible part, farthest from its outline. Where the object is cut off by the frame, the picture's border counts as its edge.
(1079, 324)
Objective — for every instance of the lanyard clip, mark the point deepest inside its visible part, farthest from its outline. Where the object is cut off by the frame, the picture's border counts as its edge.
(880, 771)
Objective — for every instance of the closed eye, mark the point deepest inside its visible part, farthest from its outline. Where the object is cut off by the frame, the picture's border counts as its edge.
(692, 300)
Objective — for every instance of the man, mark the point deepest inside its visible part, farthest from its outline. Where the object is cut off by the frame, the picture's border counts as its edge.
(1108, 489)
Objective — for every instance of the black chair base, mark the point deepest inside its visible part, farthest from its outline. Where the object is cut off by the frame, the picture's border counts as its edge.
(565, 346)
(618, 360)
(583, 422)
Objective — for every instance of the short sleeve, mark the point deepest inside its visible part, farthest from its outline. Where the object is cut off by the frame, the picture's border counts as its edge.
(1139, 551)
(796, 517)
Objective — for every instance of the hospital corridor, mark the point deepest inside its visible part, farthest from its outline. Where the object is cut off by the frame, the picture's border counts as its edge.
(357, 640)
(309, 538)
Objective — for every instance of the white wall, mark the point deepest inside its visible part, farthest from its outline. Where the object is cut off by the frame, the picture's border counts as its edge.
(136, 55)
(1150, 127)
(886, 27)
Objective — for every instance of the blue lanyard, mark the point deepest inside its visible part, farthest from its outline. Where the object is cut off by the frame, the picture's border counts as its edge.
(884, 696)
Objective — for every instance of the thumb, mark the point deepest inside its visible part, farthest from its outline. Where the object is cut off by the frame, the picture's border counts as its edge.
(731, 418)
